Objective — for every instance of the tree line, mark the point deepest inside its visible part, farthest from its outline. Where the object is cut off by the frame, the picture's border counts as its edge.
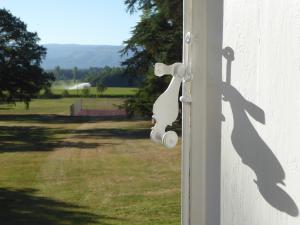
(157, 37)
(107, 76)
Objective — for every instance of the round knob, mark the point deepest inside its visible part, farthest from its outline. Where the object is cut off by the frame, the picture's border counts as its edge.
(170, 139)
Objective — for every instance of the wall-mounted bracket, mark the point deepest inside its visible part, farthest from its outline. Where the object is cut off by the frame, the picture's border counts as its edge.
(166, 108)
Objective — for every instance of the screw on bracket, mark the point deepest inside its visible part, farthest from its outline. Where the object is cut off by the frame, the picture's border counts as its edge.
(188, 37)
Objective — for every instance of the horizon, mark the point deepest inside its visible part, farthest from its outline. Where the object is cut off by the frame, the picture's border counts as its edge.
(82, 44)
(82, 56)
(78, 23)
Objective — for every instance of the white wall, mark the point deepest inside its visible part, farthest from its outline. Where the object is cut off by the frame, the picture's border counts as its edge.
(260, 147)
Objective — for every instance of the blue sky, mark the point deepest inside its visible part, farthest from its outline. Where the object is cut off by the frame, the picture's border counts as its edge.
(75, 21)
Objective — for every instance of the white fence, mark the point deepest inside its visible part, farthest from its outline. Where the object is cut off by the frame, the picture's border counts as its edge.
(84, 107)
(76, 108)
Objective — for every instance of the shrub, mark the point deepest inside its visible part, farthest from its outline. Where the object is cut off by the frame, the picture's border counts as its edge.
(47, 92)
(65, 93)
(85, 92)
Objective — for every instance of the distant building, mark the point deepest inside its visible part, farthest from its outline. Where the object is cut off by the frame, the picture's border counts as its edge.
(80, 86)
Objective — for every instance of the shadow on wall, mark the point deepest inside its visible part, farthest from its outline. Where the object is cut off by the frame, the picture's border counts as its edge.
(252, 149)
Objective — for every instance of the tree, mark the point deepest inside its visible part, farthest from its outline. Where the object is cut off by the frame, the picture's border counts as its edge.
(47, 92)
(85, 92)
(156, 38)
(100, 87)
(21, 77)
(75, 72)
(57, 72)
(65, 93)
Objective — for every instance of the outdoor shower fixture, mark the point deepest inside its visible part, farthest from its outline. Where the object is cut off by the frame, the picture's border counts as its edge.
(166, 107)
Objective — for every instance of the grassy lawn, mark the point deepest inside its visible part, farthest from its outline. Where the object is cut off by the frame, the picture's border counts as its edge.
(110, 91)
(59, 106)
(58, 170)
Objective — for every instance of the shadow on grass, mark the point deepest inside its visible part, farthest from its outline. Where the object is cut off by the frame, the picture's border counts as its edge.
(19, 207)
(137, 133)
(19, 138)
(56, 119)
(125, 133)
(32, 138)
(1, 108)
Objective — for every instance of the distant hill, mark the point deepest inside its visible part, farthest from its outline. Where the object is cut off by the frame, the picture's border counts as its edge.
(68, 56)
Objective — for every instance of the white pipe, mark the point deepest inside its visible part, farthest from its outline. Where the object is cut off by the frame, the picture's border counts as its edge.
(186, 126)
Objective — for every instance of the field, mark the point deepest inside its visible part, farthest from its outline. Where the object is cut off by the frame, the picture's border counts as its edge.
(110, 91)
(58, 106)
(59, 170)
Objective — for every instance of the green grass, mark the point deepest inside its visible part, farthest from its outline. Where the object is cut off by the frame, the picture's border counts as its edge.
(59, 106)
(110, 91)
(59, 170)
